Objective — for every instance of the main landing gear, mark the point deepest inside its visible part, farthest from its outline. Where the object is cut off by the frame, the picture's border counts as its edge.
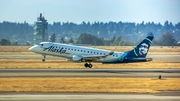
(88, 65)
(43, 60)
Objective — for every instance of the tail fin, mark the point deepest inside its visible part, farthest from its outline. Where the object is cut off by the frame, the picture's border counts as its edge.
(141, 50)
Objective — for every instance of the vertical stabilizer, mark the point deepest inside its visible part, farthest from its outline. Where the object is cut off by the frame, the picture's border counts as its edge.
(141, 50)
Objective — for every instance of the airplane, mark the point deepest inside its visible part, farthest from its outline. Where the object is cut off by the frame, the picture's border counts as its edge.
(85, 54)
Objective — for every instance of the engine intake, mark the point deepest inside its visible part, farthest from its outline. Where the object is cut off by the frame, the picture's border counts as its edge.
(76, 58)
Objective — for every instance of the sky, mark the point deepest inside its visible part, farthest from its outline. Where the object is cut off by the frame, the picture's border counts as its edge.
(77, 11)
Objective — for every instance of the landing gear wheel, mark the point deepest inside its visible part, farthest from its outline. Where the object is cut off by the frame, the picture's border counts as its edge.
(90, 65)
(86, 65)
(43, 60)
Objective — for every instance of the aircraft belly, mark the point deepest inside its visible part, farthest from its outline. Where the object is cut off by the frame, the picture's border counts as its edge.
(109, 59)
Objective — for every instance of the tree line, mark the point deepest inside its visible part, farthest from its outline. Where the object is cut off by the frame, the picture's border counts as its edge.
(165, 39)
(100, 33)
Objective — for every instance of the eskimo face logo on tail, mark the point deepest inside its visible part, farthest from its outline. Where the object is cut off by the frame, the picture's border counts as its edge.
(143, 49)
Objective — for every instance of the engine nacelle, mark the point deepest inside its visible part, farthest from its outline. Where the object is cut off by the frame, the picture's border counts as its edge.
(76, 58)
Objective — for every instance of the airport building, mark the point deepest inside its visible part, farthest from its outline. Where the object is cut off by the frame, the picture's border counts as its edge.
(40, 30)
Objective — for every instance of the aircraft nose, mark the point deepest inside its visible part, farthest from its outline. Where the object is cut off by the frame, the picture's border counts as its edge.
(31, 48)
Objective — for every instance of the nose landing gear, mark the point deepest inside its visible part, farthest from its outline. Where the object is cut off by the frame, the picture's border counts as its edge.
(43, 60)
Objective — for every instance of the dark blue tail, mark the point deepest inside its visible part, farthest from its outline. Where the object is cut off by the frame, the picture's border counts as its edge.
(141, 50)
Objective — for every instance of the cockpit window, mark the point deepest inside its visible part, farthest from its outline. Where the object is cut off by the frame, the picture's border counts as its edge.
(41, 44)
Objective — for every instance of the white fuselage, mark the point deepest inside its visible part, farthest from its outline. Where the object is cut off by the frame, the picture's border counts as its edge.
(68, 51)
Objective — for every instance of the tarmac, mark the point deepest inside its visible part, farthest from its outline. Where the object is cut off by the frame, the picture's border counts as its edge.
(167, 96)
(91, 72)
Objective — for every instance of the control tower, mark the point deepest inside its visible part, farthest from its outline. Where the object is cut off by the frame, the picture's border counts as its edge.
(40, 30)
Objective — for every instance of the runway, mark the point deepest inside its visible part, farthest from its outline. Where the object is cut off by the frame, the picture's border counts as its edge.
(86, 72)
(172, 96)
(39, 57)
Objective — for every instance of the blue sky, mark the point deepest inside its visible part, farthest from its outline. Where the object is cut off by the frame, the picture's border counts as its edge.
(91, 10)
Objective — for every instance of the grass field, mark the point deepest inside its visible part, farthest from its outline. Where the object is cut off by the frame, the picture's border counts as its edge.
(113, 85)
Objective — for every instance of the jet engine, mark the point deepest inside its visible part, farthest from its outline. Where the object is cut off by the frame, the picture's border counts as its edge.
(76, 58)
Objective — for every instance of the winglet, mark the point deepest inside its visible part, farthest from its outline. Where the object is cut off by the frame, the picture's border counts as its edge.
(110, 53)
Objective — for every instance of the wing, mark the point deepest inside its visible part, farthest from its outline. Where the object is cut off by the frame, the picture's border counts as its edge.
(95, 57)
